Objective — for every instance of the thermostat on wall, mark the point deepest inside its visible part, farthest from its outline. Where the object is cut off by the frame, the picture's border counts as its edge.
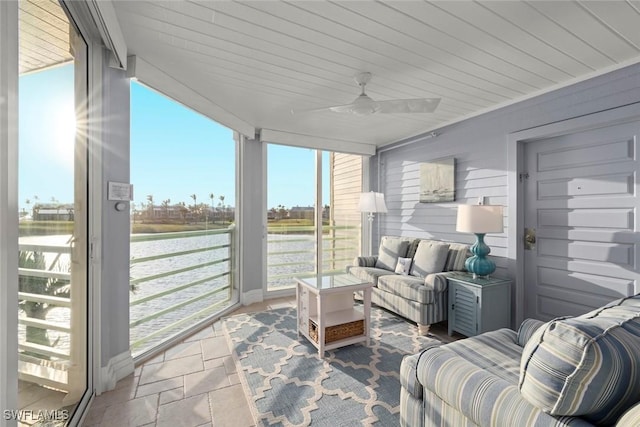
(121, 191)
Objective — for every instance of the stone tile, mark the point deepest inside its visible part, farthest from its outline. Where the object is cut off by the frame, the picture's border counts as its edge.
(171, 369)
(214, 363)
(135, 412)
(218, 328)
(129, 382)
(157, 359)
(259, 306)
(234, 379)
(169, 396)
(202, 382)
(281, 303)
(229, 365)
(160, 386)
(29, 395)
(94, 415)
(229, 407)
(191, 412)
(183, 350)
(113, 397)
(206, 332)
(212, 348)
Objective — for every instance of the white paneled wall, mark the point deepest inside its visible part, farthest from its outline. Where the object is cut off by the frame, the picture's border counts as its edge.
(479, 146)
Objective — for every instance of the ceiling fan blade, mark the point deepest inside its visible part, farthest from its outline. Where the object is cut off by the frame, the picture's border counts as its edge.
(319, 109)
(402, 106)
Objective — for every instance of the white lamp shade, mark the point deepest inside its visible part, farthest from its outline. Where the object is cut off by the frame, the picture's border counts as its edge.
(479, 219)
(372, 202)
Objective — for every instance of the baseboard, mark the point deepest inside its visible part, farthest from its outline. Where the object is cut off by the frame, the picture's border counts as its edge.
(118, 367)
(251, 297)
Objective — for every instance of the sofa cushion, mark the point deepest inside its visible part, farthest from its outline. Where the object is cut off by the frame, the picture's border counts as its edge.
(369, 274)
(430, 258)
(408, 287)
(527, 329)
(390, 249)
(631, 418)
(585, 366)
(456, 257)
(413, 247)
(403, 266)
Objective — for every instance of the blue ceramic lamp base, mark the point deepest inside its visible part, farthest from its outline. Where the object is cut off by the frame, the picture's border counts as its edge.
(479, 264)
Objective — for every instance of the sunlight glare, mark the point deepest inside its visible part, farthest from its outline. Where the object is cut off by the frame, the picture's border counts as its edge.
(64, 134)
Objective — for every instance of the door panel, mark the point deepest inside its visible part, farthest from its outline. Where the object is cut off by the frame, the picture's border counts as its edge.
(52, 183)
(580, 198)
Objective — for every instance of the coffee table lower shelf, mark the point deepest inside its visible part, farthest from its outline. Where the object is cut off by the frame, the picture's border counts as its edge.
(342, 327)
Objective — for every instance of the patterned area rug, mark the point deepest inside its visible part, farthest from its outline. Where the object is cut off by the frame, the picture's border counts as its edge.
(287, 384)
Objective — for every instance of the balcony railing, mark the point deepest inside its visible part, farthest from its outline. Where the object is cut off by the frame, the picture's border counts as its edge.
(291, 252)
(44, 322)
(177, 280)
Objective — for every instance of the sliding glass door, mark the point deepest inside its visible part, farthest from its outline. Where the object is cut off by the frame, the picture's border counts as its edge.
(52, 189)
(313, 224)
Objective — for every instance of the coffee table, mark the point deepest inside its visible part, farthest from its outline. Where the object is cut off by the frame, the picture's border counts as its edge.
(327, 316)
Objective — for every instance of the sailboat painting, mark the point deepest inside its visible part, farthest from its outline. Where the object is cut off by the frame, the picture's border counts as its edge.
(437, 181)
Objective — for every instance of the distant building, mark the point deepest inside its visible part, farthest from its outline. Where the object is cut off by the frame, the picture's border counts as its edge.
(53, 212)
(302, 212)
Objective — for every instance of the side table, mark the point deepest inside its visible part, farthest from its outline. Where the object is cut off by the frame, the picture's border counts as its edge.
(478, 305)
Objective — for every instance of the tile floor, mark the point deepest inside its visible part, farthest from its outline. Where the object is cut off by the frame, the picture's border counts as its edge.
(192, 384)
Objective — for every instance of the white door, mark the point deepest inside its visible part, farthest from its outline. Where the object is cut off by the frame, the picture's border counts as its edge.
(581, 205)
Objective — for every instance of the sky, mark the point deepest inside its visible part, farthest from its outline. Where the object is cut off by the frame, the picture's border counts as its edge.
(175, 152)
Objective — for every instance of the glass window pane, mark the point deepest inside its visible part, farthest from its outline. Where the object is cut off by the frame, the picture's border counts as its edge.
(291, 189)
(183, 216)
(52, 179)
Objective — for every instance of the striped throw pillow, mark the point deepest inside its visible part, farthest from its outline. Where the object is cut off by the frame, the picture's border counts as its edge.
(458, 254)
(585, 366)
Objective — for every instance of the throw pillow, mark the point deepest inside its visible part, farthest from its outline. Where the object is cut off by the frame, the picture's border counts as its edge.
(391, 248)
(430, 258)
(526, 330)
(585, 366)
(403, 266)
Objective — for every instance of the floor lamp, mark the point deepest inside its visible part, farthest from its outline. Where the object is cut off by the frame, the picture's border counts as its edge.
(372, 203)
(479, 220)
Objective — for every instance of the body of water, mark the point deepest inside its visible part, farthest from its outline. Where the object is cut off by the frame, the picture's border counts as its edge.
(289, 254)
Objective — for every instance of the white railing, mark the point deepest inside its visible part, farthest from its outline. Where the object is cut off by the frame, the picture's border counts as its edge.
(44, 359)
(177, 279)
(291, 252)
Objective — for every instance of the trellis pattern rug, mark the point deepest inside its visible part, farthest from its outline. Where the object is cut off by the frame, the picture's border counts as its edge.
(287, 384)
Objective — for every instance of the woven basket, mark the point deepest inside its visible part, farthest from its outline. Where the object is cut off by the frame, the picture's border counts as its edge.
(337, 332)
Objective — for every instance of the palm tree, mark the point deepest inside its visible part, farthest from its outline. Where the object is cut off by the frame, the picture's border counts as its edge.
(213, 217)
(41, 286)
(195, 206)
(183, 211)
(165, 208)
(222, 203)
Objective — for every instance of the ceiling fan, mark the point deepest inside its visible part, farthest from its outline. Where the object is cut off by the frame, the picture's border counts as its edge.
(363, 105)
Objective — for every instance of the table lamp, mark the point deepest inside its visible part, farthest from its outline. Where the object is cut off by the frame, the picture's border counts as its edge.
(479, 220)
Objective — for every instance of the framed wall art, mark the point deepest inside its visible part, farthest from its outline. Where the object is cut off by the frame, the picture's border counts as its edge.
(437, 181)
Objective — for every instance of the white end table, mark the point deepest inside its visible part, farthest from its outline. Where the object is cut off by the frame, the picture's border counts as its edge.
(327, 300)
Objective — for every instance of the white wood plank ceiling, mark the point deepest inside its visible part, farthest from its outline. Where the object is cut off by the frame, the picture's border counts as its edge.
(44, 35)
(257, 60)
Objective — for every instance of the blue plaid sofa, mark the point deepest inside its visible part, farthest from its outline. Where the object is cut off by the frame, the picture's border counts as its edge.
(573, 371)
(417, 288)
